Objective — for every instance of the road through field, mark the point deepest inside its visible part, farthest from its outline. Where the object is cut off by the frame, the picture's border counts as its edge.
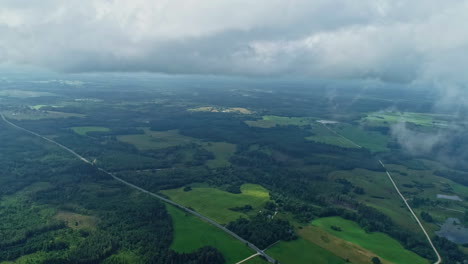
(250, 245)
(439, 259)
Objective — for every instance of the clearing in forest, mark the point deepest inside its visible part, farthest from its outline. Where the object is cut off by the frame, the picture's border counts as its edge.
(192, 233)
(376, 242)
(215, 203)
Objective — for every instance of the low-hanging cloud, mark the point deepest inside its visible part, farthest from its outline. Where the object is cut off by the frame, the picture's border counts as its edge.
(391, 40)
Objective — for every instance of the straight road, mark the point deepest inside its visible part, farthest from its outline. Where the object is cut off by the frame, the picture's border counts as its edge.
(250, 245)
(439, 259)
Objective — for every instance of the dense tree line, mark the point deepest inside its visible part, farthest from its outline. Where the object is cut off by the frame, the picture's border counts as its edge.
(262, 230)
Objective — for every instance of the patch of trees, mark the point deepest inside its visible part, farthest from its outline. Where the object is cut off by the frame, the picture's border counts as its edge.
(417, 202)
(336, 228)
(244, 209)
(449, 251)
(426, 217)
(166, 179)
(456, 176)
(203, 255)
(262, 230)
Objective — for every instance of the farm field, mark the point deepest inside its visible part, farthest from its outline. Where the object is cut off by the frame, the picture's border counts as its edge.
(215, 203)
(374, 141)
(322, 134)
(203, 234)
(84, 130)
(422, 119)
(300, 251)
(337, 246)
(378, 243)
(378, 193)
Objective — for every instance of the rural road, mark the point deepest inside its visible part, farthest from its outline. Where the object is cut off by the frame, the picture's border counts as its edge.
(439, 259)
(250, 245)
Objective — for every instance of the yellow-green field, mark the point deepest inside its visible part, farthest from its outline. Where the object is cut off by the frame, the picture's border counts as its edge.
(191, 233)
(380, 244)
(300, 251)
(84, 130)
(337, 246)
(215, 203)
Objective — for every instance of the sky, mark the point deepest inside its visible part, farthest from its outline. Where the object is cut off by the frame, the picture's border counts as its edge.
(394, 41)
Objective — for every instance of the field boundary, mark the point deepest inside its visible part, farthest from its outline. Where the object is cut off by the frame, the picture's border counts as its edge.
(250, 245)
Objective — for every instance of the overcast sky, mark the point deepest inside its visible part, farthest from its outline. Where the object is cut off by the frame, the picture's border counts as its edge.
(403, 41)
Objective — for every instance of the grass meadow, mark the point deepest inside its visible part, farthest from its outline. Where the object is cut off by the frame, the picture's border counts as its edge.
(215, 203)
(380, 244)
(191, 233)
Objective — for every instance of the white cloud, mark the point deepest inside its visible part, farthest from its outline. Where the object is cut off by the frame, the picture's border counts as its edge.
(388, 39)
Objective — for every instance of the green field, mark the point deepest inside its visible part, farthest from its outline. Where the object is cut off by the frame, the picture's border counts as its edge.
(422, 119)
(300, 251)
(378, 243)
(215, 203)
(223, 152)
(191, 233)
(374, 141)
(272, 121)
(256, 260)
(157, 139)
(337, 246)
(84, 130)
(379, 193)
(322, 134)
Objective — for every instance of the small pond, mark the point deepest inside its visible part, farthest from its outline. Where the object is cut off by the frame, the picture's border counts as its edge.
(454, 231)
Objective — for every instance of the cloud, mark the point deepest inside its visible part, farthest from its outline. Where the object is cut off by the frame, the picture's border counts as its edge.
(392, 40)
(416, 142)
